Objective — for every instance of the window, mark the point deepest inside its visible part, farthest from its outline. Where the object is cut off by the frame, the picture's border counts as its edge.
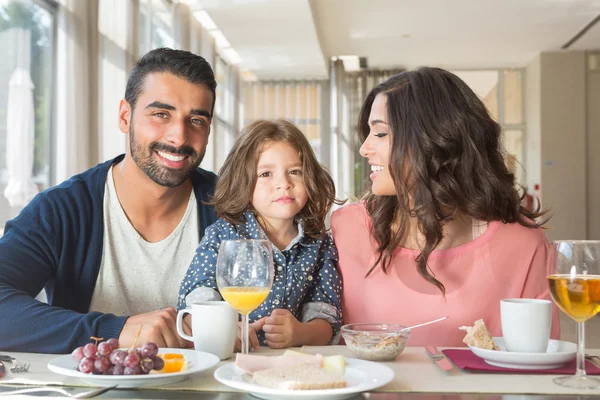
(298, 101)
(27, 43)
(224, 125)
(156, 21)
(502, 93)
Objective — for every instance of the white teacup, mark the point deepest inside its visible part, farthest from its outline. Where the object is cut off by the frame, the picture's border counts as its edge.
(526, 324)
(214, 327)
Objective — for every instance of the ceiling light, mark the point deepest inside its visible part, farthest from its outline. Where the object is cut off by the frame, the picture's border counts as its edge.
(220, 39)
(205, 20)
(231, 55)
(351, 63)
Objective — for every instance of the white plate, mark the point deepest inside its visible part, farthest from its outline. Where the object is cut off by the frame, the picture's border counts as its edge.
(360, 375)
(196, 360)
(558, 354)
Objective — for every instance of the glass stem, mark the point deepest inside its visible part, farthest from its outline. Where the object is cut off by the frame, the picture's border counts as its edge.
(245, 347)
(580, 350)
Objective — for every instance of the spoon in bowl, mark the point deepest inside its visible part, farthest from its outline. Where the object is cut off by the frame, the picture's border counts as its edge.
(412, 327)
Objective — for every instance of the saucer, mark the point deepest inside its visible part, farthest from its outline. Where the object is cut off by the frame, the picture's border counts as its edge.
(559, 353)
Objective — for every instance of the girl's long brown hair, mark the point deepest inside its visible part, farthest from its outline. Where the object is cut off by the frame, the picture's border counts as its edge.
(449, 148)
(237, 177)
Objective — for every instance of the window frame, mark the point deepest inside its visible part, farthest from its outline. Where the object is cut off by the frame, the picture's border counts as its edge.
(52, 7)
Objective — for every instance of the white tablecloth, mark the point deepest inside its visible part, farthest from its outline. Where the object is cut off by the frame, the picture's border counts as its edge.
(414, 372)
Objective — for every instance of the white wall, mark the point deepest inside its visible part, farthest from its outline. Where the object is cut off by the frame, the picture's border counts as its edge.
(593, 146)
(533, 135)
(556, 96)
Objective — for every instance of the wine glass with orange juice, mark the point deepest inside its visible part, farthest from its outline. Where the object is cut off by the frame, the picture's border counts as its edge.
(244, 277)
(575, 288)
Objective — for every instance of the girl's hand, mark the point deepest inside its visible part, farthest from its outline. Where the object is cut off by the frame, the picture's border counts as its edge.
(252, 336)
(281, 329)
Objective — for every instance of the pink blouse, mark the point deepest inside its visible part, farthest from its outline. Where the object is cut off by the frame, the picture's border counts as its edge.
(505, 261)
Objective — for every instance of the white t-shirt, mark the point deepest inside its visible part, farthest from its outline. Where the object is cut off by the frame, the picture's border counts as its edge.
(137, 276)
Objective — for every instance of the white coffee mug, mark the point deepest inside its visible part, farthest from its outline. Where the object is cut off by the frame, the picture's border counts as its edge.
(214, 327)
(526, 324)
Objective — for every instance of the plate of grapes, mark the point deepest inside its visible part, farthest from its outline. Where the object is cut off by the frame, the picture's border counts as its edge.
(104, 363)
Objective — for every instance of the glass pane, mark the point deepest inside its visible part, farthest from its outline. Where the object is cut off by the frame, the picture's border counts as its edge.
(485, 85)
(513, 97)
(26, 40)
(144, 28)
(162, 21)
(220, 69)
(297, 101)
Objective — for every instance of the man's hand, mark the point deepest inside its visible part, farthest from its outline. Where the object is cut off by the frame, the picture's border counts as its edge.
(252, 336)
(281, 329)
(157, 326)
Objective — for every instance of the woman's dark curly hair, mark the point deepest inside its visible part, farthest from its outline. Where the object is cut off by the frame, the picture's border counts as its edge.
(449, 148)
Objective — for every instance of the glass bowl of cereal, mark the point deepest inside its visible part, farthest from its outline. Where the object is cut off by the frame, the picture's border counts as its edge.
(375, 342)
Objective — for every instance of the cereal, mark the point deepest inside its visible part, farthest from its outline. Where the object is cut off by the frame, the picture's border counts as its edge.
(375, 349)
(376, 342)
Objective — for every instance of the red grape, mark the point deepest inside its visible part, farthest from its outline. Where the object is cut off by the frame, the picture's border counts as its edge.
(104, 349)
(77, 354)
(114, 343)
(89, 350)
(133, 371)
(159, 363)
(101, 364)
(132, 361)
(117, 357)
(146, 365)
(118, 370)
(149, 350)
(86, 365)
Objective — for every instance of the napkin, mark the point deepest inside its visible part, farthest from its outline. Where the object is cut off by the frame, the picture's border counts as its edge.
(465, 359)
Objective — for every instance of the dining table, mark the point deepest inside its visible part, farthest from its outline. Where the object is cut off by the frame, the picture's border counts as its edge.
(416, 376)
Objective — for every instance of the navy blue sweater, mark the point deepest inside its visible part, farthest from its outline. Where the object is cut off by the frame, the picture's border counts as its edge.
(56, 244)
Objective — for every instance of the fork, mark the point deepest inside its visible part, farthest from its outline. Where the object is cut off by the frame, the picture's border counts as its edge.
(83, 395)
(439, 358)
(17, 366)
(20, 368)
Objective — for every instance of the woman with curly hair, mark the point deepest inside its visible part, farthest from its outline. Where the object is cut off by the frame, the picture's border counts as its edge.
(442, 230)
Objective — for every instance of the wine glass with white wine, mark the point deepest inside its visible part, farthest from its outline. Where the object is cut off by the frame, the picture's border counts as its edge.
(244, 277)
(575, 288)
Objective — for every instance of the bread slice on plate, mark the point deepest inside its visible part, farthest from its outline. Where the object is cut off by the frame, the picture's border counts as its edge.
(299, 377)
(478, 336)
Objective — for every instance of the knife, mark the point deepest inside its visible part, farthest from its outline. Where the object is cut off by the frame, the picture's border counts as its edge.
(439, 358)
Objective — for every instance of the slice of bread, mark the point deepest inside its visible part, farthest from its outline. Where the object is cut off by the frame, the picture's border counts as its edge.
(478, 336)
(300, 377)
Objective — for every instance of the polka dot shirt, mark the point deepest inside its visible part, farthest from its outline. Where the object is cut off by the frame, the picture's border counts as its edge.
(306, 281)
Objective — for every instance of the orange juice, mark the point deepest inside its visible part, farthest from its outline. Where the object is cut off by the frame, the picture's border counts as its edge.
(245, 299)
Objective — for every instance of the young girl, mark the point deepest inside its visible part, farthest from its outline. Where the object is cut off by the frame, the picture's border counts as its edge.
(272, 187)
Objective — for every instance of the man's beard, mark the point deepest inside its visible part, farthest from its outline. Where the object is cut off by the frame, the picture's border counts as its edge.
(164, 176)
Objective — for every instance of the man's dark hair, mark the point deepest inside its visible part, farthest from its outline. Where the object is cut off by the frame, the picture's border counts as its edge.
(181, 63)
